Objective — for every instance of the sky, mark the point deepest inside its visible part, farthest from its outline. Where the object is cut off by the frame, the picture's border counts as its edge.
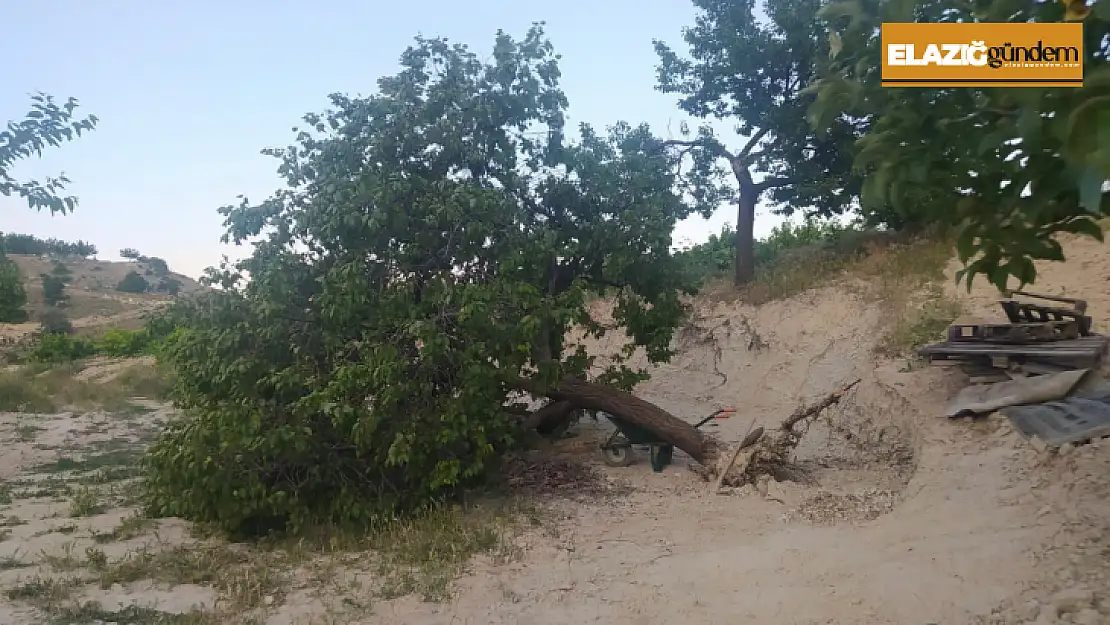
(189, 93)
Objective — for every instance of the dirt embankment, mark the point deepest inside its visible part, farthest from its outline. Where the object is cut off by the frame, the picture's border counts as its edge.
(896, 515)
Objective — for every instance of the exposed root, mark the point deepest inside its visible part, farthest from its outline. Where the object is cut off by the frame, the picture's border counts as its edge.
(768, 453)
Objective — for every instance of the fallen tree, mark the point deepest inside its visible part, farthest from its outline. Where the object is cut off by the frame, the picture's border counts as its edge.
(434, 245)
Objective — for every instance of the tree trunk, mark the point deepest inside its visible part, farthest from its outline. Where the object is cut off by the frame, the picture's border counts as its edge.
(745, 235)
(550, 418)
(634, 410)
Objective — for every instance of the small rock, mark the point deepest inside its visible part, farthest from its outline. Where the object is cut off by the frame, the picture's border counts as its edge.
(1029, 611)
(1038, 444)
(1073, 600)
(1088, 616)
(774, 492)
(268, 600)
(1065, 449)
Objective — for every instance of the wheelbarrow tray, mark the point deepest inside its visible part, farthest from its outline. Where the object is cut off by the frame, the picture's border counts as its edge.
(635, 434)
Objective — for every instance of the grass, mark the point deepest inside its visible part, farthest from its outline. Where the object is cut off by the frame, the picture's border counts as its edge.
(86, 502)
(882, 259)
(921, 327)
(39, 389)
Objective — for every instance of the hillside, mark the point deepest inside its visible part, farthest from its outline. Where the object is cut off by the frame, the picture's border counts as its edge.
(898, 515)
(94, 303)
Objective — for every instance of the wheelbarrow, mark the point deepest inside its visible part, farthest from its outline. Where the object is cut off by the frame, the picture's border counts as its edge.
(617, 449)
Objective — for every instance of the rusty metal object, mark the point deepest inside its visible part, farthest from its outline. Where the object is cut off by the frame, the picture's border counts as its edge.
(1024, 312)
(1019, 333)
(1079, 305)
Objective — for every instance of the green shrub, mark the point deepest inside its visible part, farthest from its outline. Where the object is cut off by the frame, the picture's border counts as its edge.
(54, 346)
(54, 321)
(133, 283)
(60, 348)
(13, 297)
(123, 343)
(715, 257)
(53, 290)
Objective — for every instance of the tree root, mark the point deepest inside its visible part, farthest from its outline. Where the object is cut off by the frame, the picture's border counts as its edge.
(766, 453)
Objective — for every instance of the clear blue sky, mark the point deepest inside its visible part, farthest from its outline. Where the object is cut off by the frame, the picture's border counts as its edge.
(188, 93)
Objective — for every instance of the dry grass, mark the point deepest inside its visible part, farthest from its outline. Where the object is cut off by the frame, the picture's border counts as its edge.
(38, 389)
(885, 265)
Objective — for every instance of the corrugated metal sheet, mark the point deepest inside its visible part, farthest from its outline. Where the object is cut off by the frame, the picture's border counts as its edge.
(1074, 419)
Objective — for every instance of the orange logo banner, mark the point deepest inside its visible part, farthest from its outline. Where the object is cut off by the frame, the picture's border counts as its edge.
(982, 55)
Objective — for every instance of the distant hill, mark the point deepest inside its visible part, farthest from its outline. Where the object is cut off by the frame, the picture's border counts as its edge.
(94, 301)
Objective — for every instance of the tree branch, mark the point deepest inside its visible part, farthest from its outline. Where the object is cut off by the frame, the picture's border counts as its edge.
(707, 144)
(745, 153)
(773, 182)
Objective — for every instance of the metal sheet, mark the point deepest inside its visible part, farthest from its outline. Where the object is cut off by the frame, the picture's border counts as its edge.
(1070, 420)
(982, 398)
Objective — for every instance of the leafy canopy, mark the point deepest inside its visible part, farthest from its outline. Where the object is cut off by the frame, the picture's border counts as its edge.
(46, 124)
(1009, 168)
(750, 63)
(433, 246)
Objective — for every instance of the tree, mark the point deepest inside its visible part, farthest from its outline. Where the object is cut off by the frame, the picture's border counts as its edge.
(133, 283)
(54, 321)
(1008, 169)
(130, 253)
(755, 72)
(47, 124)
(169, 285)
(53, 290)
(13, 296)
(433, 247)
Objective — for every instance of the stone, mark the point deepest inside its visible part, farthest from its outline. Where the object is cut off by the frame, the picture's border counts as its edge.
(1073, 600)
(1088, 616)
(1065, 449)
(1038, 444)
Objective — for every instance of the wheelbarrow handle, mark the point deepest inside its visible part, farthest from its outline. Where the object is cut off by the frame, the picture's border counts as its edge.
(723, 413)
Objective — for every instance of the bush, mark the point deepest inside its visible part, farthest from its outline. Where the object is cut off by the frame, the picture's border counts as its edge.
(133, 283)
(123, 343)
(13, 297)
(53, 290)
(60, 348)
(169, 285)
(157, 265)
(55, 346)
(715, 257)
(55, 321)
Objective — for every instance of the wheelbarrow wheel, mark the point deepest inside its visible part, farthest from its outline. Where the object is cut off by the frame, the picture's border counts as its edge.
(620, 456)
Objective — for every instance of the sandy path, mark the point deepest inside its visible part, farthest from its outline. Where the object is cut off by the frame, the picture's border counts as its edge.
(917, 520)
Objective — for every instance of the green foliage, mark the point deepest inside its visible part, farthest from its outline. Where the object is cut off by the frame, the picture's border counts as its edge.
(54, 321)
(753, 70)
(13, 243)
(1008, 168)
(129, 253)
(713, 259)
(47, 124)
(58, 347)
(433, 246)
(133, 283)
(55, 348)
(157, 265)
(53, 290)
(13, 296)
(117, 342)
(168, 285)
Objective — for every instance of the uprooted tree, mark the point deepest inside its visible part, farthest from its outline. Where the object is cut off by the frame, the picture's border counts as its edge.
(435, 244)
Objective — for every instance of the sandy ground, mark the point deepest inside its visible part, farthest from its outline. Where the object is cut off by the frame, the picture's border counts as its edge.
(906, 517)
